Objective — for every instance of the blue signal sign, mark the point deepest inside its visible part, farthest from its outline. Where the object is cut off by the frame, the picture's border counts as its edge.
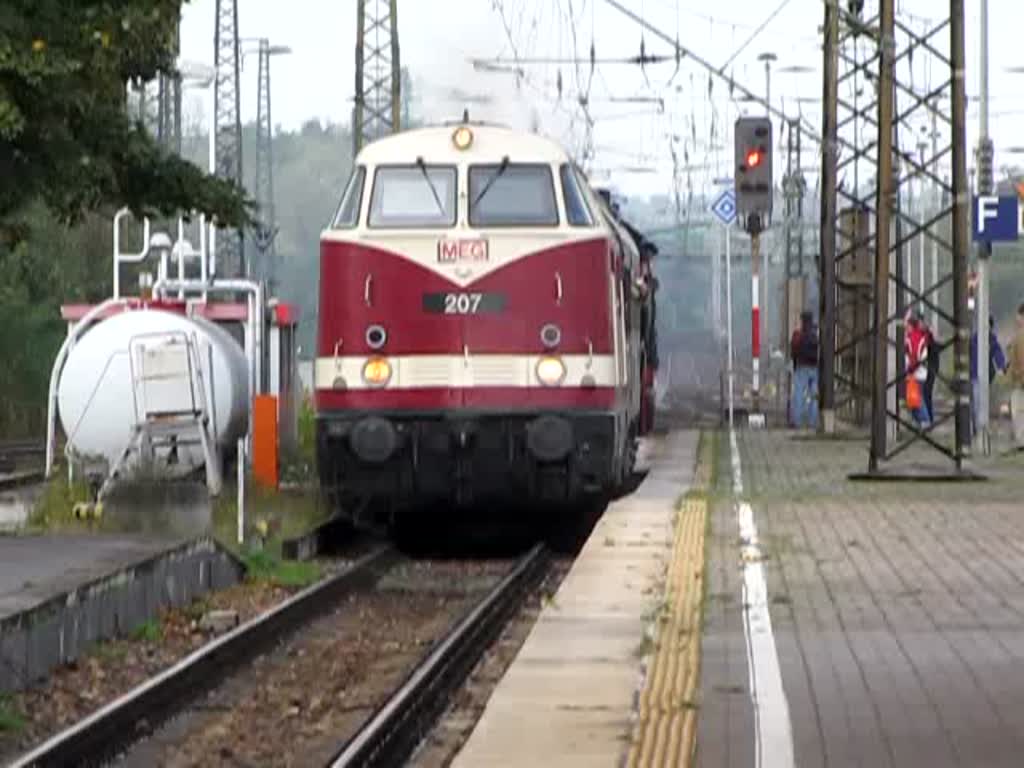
(995, 219)
(724, 207)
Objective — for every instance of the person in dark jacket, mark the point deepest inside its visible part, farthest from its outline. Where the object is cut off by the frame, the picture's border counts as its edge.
(804, 354)
(996, 364)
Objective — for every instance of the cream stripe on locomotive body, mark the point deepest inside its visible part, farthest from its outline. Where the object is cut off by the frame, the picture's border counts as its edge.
(413, 371)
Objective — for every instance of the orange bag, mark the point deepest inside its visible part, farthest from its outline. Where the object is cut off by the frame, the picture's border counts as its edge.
(913, 393)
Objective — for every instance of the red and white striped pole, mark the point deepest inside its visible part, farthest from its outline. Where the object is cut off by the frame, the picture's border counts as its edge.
(755, 316)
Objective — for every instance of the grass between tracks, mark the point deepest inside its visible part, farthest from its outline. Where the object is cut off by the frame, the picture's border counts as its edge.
(263, 565)
(11, 719)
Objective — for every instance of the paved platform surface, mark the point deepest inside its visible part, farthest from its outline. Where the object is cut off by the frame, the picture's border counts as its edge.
(35, 568)
(897, 611)
(569, 698)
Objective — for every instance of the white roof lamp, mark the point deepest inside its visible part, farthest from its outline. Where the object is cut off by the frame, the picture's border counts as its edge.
(195, 72)
(183, 250)
(159, 244)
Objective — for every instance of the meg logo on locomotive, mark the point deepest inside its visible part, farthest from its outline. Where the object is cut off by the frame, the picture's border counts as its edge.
(463, 250)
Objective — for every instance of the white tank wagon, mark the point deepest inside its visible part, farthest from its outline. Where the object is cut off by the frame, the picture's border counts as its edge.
(113, 381)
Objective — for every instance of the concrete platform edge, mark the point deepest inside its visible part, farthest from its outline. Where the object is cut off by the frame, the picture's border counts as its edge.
(572, 695)
(59, 628)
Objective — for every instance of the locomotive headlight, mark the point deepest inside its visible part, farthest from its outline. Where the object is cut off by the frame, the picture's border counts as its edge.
(377, 372)
(550, 371)
(462, 138)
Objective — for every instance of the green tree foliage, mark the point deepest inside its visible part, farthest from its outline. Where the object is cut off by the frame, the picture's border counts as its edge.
(69, 155)
(65, 137)
(311, 166)
(57, 264)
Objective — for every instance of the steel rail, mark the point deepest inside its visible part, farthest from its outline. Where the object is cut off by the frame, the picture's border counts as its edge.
(391, 735)
(137, 714)
(22, 447)
(20, 479)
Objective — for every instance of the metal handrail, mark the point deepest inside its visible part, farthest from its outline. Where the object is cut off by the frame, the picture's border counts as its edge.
(127, 258)
(58, 365)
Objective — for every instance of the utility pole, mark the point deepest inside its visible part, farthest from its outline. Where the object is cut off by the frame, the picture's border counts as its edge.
(761, 283)
(922, 202)
(768, 58)
(230, 246)
(985, 157)
(266, 229)
(378, 102)
(716, 292)
(827, 230)
(939, 205)
(883, 211)
(961, 231)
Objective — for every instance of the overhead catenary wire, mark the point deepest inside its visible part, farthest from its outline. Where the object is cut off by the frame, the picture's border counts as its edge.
(585, 83)
(809, 130)
(753, 36)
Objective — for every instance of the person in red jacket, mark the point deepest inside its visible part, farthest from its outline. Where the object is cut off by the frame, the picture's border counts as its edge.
(915, 349)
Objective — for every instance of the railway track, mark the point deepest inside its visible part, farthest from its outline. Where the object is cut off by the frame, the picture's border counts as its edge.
(393, 732)
(101, 736)
(324, 676)
(28, 447)
(20, 479)
(17, 460)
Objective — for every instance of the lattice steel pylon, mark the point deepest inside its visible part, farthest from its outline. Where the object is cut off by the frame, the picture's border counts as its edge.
(378, 102)
(168, 124)
(168, 100)
(228, 128)
(265, 231)
(871, 109)
(794, 189)
(168, 128)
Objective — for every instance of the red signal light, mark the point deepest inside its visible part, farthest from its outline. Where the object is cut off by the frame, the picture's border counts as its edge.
(753, 158)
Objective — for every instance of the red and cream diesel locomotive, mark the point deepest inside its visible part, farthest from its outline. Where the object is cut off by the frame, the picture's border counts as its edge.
(485, 328)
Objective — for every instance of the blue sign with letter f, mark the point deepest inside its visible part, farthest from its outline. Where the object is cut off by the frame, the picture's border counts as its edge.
(995, 219)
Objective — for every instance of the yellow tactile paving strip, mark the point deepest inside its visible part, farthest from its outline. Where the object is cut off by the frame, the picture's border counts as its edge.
(666, 730)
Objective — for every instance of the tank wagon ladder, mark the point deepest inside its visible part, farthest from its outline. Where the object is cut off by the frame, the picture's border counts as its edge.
(174, 407)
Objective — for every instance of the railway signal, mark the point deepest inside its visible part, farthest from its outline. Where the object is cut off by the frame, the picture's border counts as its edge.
(754, 171)
(753, 162)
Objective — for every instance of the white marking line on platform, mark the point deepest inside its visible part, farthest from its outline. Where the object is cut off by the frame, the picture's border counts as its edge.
(774, 733)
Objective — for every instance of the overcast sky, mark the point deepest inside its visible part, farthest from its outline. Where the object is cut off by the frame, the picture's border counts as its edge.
(438, 37)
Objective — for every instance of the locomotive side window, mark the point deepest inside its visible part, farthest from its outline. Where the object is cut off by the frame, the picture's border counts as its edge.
(576, 209)
(413, 196)
(508, 195)
(351, 201)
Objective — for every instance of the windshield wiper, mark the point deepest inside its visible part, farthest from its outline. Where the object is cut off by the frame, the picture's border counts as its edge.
(433, 190)
(490, 183)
